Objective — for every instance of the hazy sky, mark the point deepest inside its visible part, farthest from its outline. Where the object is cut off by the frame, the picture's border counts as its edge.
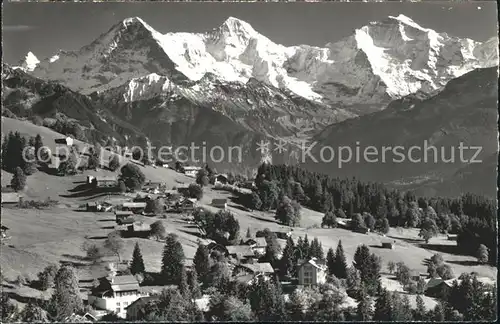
(44, 28)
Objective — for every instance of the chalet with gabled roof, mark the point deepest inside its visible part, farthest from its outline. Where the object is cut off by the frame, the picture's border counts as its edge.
(312, 272)
(10, 198)
(219, 203)
(116, 293)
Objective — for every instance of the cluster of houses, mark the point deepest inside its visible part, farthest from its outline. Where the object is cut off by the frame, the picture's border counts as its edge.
(123, 295)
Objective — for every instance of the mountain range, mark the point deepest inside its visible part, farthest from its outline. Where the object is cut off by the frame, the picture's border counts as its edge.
(391, 80)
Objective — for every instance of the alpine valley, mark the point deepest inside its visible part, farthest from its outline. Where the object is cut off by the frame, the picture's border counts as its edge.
(389, 82)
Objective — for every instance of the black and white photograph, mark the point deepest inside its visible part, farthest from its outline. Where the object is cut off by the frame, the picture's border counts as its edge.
(249, 162)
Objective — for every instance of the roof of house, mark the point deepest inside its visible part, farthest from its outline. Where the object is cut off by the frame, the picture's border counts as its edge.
(433, 282)
(134, 204)
(141, 226)
(219, 201)
(75, 318)
(212, 245)
(92, 203)
(315, 263)
(128, 220)
(123, 213)
(191, 168)
(10, 197)
(264, 267)
(123, 283)
(103, 179)
(244, 250)
(142, 301)
(261, 241)
(125, 279)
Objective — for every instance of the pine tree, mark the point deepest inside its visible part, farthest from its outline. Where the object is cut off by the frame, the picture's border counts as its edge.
(361, 256)
(201, 262)
(183, 283)
(364, 306)
(194, 285)
(287, 263)
(305, 247)
(383, 307)
(419, 314)
(66, 298)
(330, 261)
(249, 234)
(172, 261)
(137, 265)
(12, 152)
(340, 262)
(406, 311)
(438, 313)
(38, 145)
(18, 181)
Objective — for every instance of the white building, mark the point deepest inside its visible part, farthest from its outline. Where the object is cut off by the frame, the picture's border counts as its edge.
(115, 294)
(191, 171)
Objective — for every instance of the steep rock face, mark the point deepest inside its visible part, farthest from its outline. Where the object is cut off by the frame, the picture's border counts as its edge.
(255, 105)
(129, 49)
(464, 112)
(380, 62)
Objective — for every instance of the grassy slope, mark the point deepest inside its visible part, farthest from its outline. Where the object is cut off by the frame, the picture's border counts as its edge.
(42, 237)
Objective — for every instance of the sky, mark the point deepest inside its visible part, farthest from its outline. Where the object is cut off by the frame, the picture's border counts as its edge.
(44, 28)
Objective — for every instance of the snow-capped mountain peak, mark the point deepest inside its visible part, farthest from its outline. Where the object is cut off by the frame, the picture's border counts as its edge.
(402, 19)
(29, 63)
(379, 62)
(235, 26)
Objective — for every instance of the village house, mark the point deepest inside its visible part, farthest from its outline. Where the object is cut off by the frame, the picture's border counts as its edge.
(257, 244)
(388, 245)
(440, 288)
(219, 203)
(240, 252)
(115, 294)
(124, 217)
(186, 205)
(138, 229)
(10, 198)
(136, 310)
(191, 171)
(53, 165)
(220, 180)
(416, 275)
(182, 188)
(135, 207)
(102, 181)
(280, 234)
(68, 141)
(311, 272)
(254, 268)
(92, 206)
(250, 279)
